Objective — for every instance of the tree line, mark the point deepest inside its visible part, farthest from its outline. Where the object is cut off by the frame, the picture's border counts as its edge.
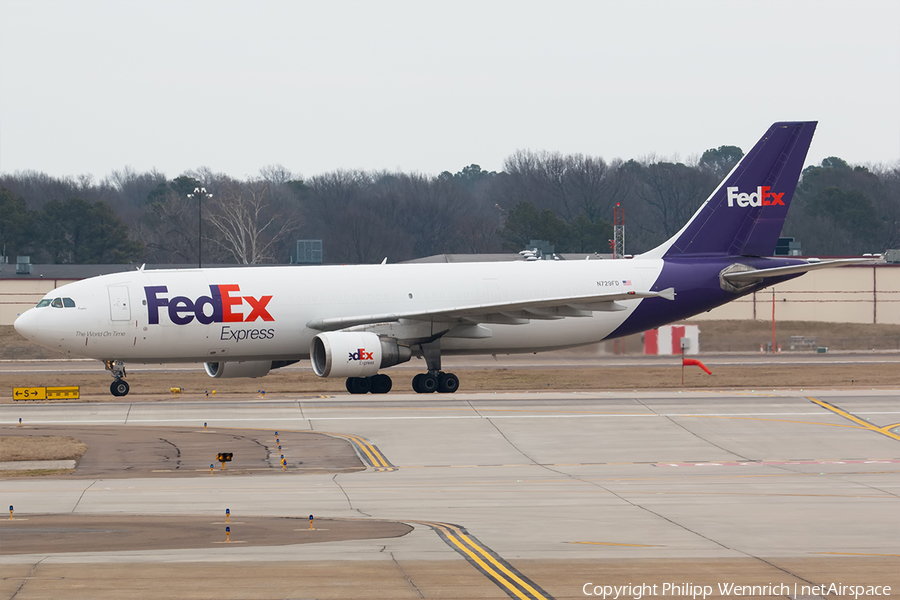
(365, 216)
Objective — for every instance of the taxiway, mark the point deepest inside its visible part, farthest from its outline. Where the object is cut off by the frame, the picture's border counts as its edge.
(780, 484)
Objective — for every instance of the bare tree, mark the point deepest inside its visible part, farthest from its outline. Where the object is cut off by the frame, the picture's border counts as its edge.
(673, 191)
(569, 185)
(247, 227)
(889, 206)
(134, 187)
(168, 228)
(276, 174)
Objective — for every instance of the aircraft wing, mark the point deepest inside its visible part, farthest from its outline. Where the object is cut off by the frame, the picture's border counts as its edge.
(512, 313)
(761, 274)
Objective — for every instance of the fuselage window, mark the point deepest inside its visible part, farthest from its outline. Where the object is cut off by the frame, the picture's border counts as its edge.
(43, 303)
(57, 303)
(68, 303)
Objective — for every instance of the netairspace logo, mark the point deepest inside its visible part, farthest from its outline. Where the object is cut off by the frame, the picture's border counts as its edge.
(761, 197)
(690, 590)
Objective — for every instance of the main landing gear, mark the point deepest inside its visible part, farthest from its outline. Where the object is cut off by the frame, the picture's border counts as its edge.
(434, 380)
(119, 387)
(426, 383)
(377, 384)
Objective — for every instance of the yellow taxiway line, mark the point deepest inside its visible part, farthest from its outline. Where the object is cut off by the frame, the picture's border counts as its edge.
(488, 562)
(368, 451)
(851, 417)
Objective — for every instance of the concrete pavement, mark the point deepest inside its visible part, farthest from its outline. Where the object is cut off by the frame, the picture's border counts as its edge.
(564, 479)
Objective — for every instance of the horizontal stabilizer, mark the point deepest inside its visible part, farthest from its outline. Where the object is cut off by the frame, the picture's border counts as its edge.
(761, 274)
(668, 293)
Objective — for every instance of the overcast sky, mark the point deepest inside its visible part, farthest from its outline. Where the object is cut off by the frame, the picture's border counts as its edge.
(92, 86)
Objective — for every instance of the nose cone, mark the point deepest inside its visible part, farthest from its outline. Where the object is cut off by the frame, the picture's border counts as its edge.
(27, 324)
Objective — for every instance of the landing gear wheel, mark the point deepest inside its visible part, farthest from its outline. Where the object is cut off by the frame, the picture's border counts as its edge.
(381, 384)
(359, 385)
(119, 388)
(116, 368)
(447, 383)
(425, 383)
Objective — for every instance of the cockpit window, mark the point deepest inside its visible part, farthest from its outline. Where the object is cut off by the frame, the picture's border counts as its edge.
(56, 303)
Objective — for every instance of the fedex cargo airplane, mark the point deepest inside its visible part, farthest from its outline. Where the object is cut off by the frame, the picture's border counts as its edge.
(355, 321)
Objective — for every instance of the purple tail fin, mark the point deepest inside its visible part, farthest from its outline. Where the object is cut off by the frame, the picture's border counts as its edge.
(745, 214)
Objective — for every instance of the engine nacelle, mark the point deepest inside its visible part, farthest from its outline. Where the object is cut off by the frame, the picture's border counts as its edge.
(354, 354)
(241, 368)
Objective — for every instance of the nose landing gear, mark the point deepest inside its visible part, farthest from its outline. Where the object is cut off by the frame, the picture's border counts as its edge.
(119, 387)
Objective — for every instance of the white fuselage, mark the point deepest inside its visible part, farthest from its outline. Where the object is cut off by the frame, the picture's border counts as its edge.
(268, 308)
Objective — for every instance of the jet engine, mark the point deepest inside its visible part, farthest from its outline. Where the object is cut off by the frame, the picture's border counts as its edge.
(354, 354)
(241, 368)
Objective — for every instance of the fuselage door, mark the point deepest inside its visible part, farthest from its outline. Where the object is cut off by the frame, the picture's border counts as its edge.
(119, 307)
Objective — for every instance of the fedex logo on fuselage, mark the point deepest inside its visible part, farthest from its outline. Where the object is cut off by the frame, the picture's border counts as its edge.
(761, 197)
(224, 304)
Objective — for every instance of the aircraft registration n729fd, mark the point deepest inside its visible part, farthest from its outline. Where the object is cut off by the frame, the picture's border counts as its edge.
(354, 321)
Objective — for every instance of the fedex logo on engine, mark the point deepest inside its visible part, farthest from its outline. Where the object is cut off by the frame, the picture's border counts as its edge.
(223, 305)
(761, 197)
(361, 354)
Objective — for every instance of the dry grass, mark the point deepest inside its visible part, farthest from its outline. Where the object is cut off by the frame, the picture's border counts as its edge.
(279, 385)
(35, 473)
(669, 377)
(42, 447)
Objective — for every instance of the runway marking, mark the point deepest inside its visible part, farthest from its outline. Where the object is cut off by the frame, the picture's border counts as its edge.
(855, 554)
(822, 461)
(616, 544)
(492, 565)
(367, 451)
(187, 421)
(867, 425)
(727, 463)
(746, 418)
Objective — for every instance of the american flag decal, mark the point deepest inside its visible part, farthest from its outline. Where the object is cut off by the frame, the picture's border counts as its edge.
(626, 282)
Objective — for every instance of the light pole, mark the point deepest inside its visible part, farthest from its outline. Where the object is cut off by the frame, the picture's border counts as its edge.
(200, 193)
